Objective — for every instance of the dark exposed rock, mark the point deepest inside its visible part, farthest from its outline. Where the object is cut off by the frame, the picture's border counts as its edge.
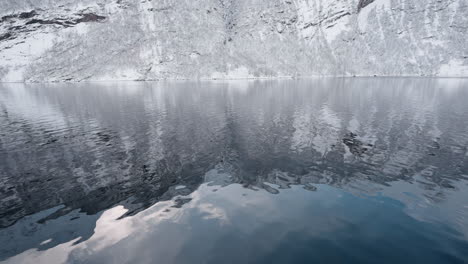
(15, 28)
(5, 36)
(8, 17)
(31, 18)
(43, 22)
(90, 17)
(29, 14)
(364, 3)
(23, 15)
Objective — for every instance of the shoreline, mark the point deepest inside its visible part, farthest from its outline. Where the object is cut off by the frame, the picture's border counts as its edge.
(241, 79)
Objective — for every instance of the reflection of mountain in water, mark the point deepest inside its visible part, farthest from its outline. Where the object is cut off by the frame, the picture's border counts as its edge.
(93, 146)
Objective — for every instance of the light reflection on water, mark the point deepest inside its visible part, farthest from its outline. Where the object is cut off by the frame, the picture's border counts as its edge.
(355, 170)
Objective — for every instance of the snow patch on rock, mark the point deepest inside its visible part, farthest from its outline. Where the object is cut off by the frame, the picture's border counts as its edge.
(16, 57)
(378, 7)
(236, 73)
(454, 68)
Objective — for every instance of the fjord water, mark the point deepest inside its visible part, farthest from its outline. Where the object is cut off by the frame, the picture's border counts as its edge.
(362, 170)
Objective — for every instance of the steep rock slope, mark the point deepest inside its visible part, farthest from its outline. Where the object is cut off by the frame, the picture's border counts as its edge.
(60, 40)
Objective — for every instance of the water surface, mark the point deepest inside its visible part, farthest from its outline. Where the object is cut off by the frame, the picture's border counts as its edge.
(299, 171)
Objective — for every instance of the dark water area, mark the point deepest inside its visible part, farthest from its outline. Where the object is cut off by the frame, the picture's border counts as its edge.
(295, 171)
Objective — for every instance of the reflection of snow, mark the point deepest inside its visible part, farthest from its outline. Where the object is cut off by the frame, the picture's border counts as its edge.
(27, 106)
(400, 117)
(328, 130)
(320, 130)
(303, 130)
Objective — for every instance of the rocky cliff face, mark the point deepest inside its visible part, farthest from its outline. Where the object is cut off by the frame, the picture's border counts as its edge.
(64, 40)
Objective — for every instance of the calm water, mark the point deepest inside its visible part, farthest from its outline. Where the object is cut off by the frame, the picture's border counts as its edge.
(313, 171)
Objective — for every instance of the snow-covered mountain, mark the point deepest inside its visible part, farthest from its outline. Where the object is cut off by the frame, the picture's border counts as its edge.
(60, 40)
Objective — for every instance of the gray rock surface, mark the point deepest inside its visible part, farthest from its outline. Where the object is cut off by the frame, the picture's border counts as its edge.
(65, 40)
